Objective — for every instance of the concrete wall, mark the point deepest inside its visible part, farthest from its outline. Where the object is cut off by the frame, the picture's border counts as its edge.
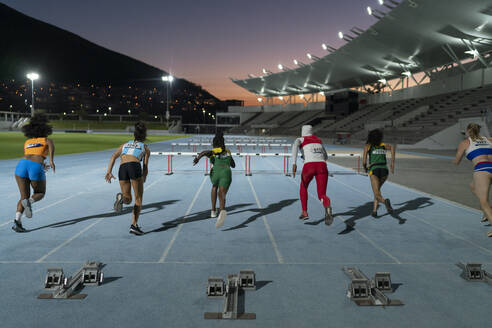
(450, 137)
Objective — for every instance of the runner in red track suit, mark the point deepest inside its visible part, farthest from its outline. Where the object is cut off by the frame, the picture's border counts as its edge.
(315, 157)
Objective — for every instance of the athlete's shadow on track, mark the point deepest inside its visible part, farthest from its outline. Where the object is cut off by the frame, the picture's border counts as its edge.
(198, 216)
(410, 205)
(154, 206)
(356, 213)
(270, 209)
(364, 211)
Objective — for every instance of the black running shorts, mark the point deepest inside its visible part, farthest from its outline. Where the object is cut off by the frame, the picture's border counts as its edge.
(380, 173)
(130, 171)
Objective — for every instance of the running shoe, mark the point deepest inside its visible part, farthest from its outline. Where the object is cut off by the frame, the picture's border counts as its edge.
(17, 227)
(118, 204)
(26, 203)
(135, 229)
(489, 234)
(484, 218)
(374, 214)
(213, 214)
(303, 217)
(387, 203)
(221, 218)
(328, 216)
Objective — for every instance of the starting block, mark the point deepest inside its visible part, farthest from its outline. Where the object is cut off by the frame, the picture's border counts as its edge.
(230, 290)
(366, 292)
(65, 287)
(215, 287)
(474, 272)
(54, 278)
(247, 279)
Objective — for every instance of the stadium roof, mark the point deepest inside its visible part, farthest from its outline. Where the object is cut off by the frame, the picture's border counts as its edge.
(414, 36)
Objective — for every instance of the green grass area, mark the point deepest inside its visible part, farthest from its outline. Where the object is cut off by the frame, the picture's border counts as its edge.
(104, 125)
(12, 143)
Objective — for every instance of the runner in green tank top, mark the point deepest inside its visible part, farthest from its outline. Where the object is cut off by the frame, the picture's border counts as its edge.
(220, 175)
(378, 172)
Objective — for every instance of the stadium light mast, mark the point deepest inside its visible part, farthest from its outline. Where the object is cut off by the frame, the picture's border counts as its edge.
(32, 77)
(169, 79)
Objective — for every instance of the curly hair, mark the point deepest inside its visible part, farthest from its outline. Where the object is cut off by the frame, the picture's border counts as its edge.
(37, 127)
(218, 140)
(375, 137)
(140, 132)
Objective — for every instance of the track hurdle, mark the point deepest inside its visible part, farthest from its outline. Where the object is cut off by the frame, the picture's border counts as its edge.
(247, 161)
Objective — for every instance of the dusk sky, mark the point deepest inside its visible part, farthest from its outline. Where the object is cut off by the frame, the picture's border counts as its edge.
(207, 42)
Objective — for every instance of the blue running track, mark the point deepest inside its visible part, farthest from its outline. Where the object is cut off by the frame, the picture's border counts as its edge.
(159, 279)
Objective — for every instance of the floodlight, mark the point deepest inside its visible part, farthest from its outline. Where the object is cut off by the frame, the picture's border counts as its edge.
(33, 76)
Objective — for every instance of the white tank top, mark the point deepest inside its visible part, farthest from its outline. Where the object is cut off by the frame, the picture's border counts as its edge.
(478, 147)
(312, 149)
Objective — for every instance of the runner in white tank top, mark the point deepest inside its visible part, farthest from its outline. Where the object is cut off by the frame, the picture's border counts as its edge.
(478, 149)
(314, 155)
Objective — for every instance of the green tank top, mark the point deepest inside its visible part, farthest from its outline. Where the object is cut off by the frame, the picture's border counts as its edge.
(222, 160)
(377, 157)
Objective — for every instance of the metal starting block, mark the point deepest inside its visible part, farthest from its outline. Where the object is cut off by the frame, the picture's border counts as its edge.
(92, 275)
(215, 287)
(54, 278)
(366, 292)
(474, 272)
(247, 279)
(65, 288)
(382, 281)
(230, 291)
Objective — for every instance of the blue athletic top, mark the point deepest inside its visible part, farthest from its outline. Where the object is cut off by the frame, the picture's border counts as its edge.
(135, 148)
(478, 147)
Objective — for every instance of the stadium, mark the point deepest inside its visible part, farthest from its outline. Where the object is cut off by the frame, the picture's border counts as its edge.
(420, 75)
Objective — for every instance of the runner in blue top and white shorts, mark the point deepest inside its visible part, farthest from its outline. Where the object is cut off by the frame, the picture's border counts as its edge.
(478, 149)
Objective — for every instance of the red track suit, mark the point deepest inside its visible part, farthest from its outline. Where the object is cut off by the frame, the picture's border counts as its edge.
(314, 166)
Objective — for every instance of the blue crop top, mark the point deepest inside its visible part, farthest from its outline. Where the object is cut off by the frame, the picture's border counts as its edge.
(478, 147)
(135, 148)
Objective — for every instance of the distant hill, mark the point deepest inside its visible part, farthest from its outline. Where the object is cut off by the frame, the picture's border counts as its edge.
(29, 44)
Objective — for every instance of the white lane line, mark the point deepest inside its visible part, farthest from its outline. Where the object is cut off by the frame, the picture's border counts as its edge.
(41, 259)
(423, 221)
(267, 226)
(188, 211)
(375, 245)
(241, 263)
(66, 242)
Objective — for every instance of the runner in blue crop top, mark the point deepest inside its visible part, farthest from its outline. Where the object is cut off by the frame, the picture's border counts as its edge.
(131, 174)
(478, 149)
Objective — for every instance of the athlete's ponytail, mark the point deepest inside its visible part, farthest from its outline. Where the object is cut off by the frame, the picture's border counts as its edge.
(473, 131)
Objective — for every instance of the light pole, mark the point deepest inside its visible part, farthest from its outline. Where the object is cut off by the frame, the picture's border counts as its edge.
(169, 79)
(32, 77)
